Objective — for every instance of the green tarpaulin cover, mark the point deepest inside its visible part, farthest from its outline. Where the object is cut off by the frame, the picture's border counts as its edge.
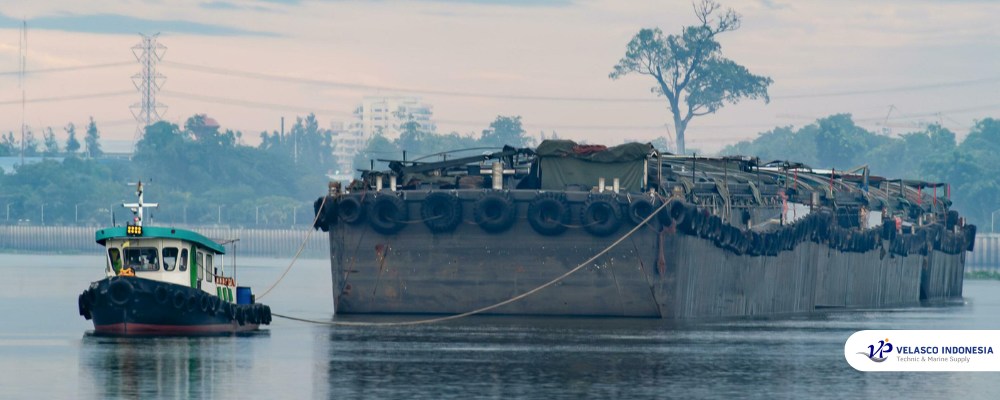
(563, 163)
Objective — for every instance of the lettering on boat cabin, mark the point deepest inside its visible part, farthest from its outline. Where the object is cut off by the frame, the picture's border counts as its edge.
(225, 281)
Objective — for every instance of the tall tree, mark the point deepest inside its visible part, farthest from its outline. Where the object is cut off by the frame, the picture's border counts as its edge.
(92, 140)
(8, 145)
(30, 143)
(689, 68)
(839, 142)
(506, 131)
(378, 147)
(51, 145)
(413, 139)
(309, 145)
(72, 145)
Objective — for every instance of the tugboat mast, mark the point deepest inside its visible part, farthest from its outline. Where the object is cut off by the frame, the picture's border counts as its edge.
(137, 207)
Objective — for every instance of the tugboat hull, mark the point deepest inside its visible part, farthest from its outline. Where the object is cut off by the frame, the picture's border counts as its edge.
(136, 306)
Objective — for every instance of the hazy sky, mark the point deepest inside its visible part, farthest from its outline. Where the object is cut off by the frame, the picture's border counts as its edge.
(248, 63)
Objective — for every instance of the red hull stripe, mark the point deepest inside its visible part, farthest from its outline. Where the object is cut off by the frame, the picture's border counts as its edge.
(152, 329)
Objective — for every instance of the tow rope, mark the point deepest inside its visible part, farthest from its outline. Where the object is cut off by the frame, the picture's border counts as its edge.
(483, 309)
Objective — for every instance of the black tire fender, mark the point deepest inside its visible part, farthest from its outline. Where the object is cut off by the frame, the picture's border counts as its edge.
(351, 210)
(161, 294)
(388, 214)
(326, 215)
(179, 299)
(81, 304)
(495, 212)
(206, 304)
(549, 214)
(639, 209)
(601, 216)
(120, 291)
(441, 212)
(677, 210)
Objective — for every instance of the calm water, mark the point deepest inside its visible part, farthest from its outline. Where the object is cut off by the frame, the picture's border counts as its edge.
(46, 352)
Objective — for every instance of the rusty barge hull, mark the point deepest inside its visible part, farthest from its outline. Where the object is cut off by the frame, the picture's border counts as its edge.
(689, 266)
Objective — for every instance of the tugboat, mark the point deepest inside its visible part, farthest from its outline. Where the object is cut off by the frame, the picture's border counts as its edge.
(164, 281)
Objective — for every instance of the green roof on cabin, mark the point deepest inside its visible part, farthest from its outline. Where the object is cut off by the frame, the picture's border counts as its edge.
(119, 232)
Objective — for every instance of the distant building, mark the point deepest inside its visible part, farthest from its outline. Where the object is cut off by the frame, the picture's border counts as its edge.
(388, 114)
(377, 115)
(346, 144)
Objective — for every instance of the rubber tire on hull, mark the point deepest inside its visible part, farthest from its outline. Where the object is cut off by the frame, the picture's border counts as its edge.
(241, 315)
(84, 308)
(441, 212)
(325, 216)
(120, 291)
(179, 300)
(678, 210)
(495, 212)
(206, 303)
(351, 210)
(162, 295)
(639, 209)
(548, 214)
(601, 216)
(388, 214)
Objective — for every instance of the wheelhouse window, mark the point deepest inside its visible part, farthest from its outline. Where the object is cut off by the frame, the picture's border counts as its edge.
(209, 265)
(169, 258)
(184, 259)
(200, 262)
(142, 258)
(115, 257)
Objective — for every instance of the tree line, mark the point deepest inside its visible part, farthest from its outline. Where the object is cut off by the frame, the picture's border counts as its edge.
(10, 145)
(930, 154)
(200, 173)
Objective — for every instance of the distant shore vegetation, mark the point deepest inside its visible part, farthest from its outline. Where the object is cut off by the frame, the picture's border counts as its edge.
(204, 174)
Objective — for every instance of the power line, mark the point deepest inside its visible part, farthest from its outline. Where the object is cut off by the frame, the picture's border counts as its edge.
(67, 98)
(534, 125)
(554, 126)
(67, 69)
(896, 89)
(347, 85)
(283, 107)
(251, 104)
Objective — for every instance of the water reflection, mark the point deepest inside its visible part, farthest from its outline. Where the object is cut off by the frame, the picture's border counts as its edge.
(506, 357)
(171, 367)
(574, 358)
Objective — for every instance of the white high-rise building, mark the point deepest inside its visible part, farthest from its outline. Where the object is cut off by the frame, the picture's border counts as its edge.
(377, 114)
(388, 114)
(346, 143)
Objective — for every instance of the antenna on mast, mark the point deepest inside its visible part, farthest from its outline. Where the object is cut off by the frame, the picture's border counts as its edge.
(138, 207)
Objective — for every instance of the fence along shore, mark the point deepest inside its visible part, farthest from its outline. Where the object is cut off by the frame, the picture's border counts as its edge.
(276, 243)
